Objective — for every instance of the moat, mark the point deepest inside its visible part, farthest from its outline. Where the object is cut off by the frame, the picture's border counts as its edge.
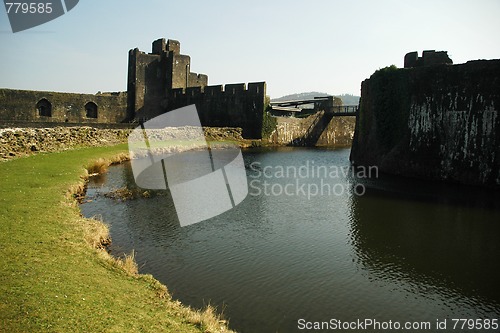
(404, 250)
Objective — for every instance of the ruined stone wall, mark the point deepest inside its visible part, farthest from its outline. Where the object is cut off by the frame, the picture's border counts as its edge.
(438, 122)
(17, 142)
(428, 58)
(55, 107)
(338, 133)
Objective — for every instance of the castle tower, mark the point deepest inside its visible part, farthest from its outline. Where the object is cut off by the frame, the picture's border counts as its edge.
(151, 77)
(162, 81)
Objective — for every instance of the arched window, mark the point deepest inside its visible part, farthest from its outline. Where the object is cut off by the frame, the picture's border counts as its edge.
(44, 108)
(91, 110)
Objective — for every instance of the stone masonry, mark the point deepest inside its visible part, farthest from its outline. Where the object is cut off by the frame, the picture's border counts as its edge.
(161, 81)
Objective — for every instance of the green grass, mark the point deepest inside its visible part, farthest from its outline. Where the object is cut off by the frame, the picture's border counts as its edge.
(52, 280)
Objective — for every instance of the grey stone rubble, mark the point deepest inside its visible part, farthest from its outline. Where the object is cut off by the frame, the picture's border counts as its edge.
(17, 142)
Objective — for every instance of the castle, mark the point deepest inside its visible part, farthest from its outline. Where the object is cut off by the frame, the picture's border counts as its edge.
(161, 81)
(158, 82)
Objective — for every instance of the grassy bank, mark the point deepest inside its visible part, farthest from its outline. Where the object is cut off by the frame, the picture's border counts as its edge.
(54, 277)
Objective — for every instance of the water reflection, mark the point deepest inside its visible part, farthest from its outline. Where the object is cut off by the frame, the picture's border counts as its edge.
(435, 238)
(406, 250)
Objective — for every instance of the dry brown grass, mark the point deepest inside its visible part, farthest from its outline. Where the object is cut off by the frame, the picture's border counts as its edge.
(76, 192)
(120, 158)
(96, 233)
(128, 264)
(208, 319)
(159, 288)
(98, 166)
(101, 165)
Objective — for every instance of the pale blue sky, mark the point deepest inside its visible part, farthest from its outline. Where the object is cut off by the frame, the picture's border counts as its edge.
(296, 46)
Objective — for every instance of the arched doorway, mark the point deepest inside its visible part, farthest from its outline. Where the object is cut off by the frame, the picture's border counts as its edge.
(44, 108)
(91, 110)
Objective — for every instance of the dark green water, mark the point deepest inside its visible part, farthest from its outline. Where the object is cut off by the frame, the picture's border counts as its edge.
(404, 251)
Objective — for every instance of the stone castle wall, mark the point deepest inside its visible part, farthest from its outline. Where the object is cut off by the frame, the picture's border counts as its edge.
(338, 133)
(233, 105)
(158, 82)
(438, 122)
(26, 106)
(161, 81)
(428, 58)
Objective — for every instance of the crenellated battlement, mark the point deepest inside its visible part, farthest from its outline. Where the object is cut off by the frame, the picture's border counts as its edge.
(231, 105)
(220, 90)
(161, 81)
